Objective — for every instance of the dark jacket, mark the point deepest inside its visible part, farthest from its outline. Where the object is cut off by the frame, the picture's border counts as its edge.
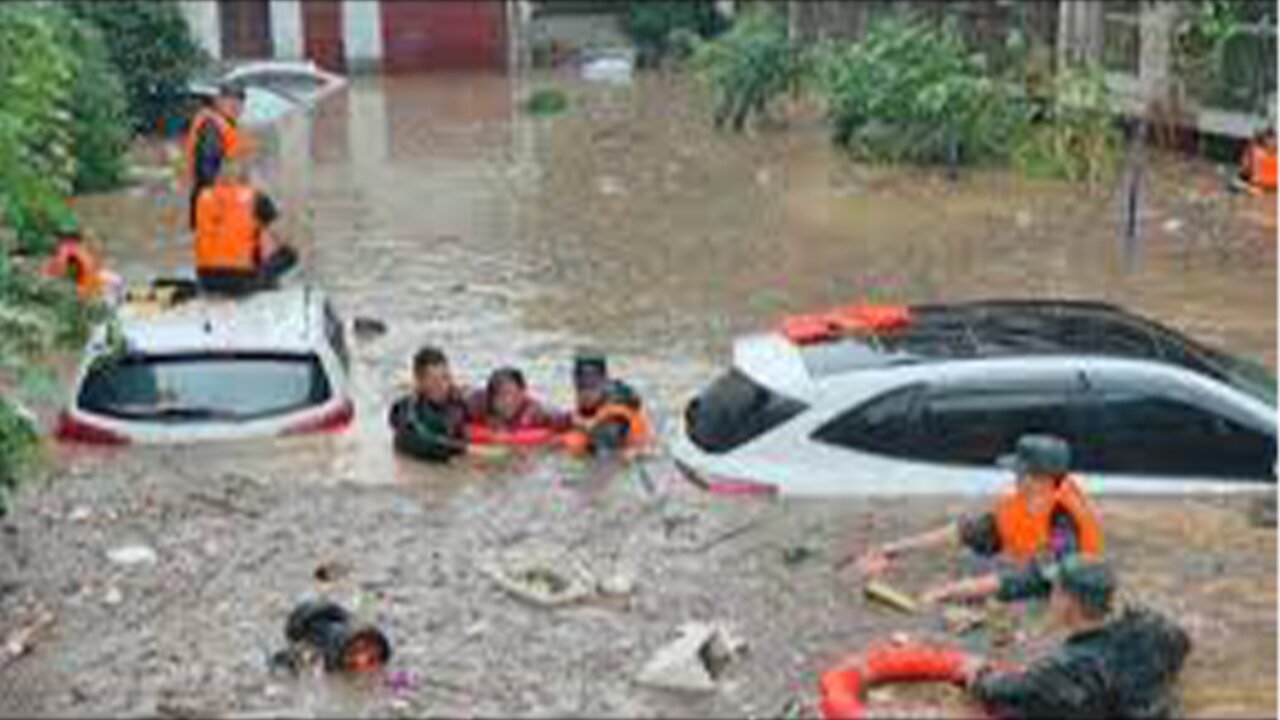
(435, 432)
(1125, 669)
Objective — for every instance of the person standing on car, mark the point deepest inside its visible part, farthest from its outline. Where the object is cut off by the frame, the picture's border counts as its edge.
(609, 417)
(234, 251)
(1123, 666)
(212, 138)
(431, 423)
(1045, 515)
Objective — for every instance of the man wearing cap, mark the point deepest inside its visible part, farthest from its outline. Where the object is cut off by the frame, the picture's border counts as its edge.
(1045, 515)
(1108, 667)
(212, 138)
(608, 417)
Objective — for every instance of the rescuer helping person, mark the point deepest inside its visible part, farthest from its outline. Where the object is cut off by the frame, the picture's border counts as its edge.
(431, 423)
(74, 260)
(1045, 515)
(234, 252)
(609, 417)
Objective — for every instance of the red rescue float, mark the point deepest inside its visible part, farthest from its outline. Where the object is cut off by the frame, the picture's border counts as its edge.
(851, 319)
(841, 690)
(529, 437)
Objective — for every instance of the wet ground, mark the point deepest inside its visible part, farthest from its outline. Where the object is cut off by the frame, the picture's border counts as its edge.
(435, 205)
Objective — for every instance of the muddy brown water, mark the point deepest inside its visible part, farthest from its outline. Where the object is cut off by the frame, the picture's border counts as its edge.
(437, 206)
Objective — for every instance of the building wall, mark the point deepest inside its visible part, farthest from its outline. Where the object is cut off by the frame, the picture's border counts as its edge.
(286, 29)
(362, 34)
(202, 17)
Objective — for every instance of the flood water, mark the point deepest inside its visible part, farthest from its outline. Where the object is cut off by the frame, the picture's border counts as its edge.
(436, 205)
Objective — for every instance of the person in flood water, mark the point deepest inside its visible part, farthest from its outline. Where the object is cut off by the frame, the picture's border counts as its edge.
(1123, 666)
(431, 423)
(1043, 516)
(505, 405)
(609, 417)
(212, 138)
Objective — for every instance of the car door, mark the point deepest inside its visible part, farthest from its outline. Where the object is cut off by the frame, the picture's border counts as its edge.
(1145, 433)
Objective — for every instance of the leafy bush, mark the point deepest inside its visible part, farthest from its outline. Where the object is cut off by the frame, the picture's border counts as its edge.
(907, 92)
(651, 24)
(152, 50)
(546, 101)
(1078, 140)
(748, 67)
(99, 112)
(18, 445)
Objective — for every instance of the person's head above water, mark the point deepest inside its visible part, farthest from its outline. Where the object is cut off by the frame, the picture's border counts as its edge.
(590, 378)
(230, 99)
(506, 392)
(1041, 460)
(431, 376)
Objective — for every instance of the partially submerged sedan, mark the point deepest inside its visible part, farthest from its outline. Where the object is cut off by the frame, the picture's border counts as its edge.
(274, 363)
(925, 399)
(273, 89)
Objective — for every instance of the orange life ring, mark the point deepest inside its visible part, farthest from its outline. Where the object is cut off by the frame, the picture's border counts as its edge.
(841, 690)
(478, 434)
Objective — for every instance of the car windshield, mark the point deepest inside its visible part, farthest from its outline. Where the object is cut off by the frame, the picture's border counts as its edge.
(204, 386)
(735, 410)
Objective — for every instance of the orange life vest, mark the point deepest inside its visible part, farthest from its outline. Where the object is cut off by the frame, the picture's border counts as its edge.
(73, 258)
(227, 230)
(1024, 534)
(578, 440)
(1261, 165)
(227, 134)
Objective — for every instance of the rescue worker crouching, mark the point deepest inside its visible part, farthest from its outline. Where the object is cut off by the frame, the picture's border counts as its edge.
(1044, 515)
(213, 138)
(431, 423)
(609, 417)
(234, 251)
(1109, 666)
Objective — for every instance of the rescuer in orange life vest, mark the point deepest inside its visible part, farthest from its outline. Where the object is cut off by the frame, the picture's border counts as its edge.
(609, 417)
(234, 251)
(73, 259)
(212, 138)
(1258, 165)
(1045, 516)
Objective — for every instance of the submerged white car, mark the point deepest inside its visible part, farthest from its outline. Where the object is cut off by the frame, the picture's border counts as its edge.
(928, 403)
(273, 88)
(272, 363)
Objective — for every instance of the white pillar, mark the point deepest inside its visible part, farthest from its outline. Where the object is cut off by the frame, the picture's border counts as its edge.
(1154, 59)
(286, 29)
(202, 19)
(362, 34)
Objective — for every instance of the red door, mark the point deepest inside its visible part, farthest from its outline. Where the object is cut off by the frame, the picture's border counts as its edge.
(322, 34)
(246, 29)
(443, 35)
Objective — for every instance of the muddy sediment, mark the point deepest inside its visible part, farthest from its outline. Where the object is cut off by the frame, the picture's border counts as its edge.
(435, 206)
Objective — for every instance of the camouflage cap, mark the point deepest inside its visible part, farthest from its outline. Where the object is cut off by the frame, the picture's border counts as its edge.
(1091, 581)
(1038, 455)
(589, 368)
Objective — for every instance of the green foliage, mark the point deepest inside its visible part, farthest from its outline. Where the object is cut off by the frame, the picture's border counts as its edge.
(1078, 140)
(152, 50)
(100, 115)
(911, 93)
(748, 67)
(18, 449)
(653, 24)
(1220, 61)
(546, 101)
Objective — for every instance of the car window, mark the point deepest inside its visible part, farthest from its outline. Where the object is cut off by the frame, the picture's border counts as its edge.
(204, 386)
(295, 84)
(976, 424)
(735, 410)
(337, 335)
(882, 425)
(1139, 432)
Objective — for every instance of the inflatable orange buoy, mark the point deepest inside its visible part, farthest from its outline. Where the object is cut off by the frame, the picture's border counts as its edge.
(530, 437)
(804, 329)
(841, 690)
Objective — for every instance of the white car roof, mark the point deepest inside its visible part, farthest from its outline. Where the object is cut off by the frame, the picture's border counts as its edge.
(285, 320)
(773, 361)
